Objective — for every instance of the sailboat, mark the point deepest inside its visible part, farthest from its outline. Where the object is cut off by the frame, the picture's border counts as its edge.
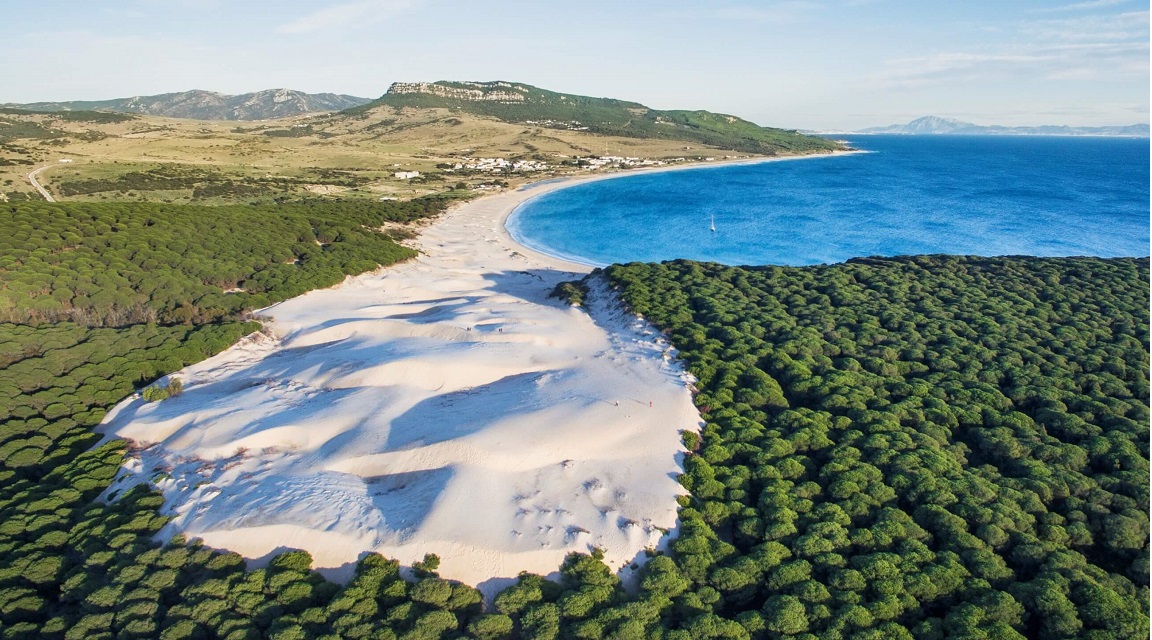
(713, 223)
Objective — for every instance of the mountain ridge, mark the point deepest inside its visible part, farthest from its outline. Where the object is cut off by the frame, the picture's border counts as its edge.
(198, 104)
(936, 125)
(521, 103)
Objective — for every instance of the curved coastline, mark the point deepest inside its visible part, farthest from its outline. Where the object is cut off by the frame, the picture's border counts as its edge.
(963, 195)
(444, 405)
(512, 231)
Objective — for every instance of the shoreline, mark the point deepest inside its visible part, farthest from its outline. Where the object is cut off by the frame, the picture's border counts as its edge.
(442, 405)
(533, 190)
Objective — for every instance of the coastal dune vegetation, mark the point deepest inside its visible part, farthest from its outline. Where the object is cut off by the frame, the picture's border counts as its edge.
(917, 447)
(920, 447)
(96, 299)
(114, 264)
(101, 300)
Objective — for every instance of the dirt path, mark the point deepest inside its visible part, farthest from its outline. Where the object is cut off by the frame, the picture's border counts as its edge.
(38, 186)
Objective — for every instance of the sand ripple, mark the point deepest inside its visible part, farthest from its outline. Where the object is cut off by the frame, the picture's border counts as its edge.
(444, 405)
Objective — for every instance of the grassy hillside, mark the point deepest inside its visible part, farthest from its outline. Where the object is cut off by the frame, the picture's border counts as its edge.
(20, 124)
(519, 103)
(357, 154)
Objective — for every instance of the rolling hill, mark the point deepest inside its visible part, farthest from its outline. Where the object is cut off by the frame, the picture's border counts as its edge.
(415, 140)
(209, 105)
(524, 104)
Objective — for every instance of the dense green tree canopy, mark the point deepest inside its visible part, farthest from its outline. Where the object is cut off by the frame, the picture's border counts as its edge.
(74, 566)
(117, 264)
(922, 447)
(916, 447)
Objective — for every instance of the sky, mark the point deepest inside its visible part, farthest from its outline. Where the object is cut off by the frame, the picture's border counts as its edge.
(811, 64)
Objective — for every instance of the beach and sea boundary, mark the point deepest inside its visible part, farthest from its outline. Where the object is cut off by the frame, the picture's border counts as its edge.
(445, 405)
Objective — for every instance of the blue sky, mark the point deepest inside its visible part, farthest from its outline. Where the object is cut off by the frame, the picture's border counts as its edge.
(790, 63)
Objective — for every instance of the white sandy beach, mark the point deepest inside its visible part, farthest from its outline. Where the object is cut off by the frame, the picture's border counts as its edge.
(443, 406)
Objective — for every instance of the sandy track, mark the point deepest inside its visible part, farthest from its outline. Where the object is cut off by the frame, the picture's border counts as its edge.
(39, 187)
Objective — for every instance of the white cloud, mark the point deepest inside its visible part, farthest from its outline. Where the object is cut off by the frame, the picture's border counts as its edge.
(1084, 6)
(1080, 60)
(342, 15)
(1085, 47)
(1121, 26)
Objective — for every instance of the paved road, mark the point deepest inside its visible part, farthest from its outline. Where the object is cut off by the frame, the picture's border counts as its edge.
(42, 190)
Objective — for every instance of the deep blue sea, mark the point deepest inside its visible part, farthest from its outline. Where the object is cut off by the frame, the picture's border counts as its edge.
(972, 195)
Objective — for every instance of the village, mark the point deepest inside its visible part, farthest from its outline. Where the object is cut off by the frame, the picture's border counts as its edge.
(504, 165)
(574, 125)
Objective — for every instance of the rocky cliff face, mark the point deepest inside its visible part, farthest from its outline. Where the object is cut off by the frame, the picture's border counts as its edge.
(505, 92)
(209, 105)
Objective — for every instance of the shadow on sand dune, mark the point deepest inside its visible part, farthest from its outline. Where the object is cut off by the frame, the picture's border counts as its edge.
(462, 413)
(400, 369)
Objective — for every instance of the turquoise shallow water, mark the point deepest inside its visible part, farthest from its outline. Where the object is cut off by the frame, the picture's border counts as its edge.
(979, 195)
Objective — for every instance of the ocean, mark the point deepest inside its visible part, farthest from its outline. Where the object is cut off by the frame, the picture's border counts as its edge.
(970, 195)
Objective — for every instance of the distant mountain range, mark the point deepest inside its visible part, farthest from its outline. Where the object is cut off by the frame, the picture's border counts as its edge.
(934, 125)
(518, 103)
(209, 105)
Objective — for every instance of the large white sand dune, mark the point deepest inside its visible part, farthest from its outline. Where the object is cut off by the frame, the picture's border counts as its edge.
(443, 405)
